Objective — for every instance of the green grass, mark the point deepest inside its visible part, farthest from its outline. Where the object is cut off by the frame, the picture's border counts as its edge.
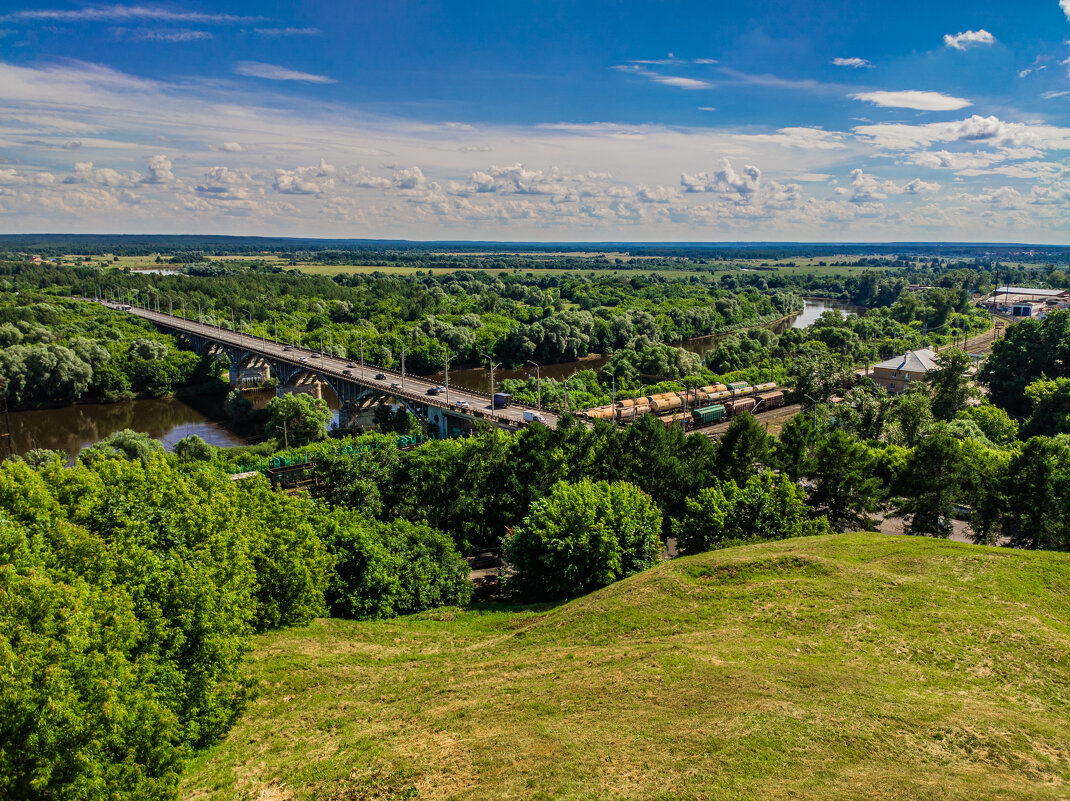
(851, 666)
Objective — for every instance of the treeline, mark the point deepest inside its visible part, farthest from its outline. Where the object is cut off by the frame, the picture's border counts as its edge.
(55, 351)
(513, 317)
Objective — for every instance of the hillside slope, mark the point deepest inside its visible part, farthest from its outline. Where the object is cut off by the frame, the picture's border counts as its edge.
(850, 666)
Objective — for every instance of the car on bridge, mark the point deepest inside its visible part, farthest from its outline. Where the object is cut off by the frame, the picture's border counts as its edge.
(351, 365)
(436, 390)
(395, 385)
(380, 376)
(461, 404)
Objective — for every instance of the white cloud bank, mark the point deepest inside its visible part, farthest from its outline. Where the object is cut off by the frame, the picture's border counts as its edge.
(853, 63)
(158, 157)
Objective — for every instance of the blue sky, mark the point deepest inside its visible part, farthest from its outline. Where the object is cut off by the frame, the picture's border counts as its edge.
(563, 121)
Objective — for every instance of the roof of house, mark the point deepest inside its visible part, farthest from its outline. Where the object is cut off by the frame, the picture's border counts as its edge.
(1018, 290)
(915, 361)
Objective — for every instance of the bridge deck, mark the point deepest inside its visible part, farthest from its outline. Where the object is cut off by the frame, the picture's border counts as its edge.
(410, 387)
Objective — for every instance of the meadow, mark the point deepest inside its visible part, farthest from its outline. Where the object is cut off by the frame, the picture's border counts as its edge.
(847, 666)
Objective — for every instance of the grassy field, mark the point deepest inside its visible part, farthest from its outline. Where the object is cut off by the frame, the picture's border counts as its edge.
(852, 666)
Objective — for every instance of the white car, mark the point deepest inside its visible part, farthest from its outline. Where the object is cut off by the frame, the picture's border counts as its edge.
(461, 404)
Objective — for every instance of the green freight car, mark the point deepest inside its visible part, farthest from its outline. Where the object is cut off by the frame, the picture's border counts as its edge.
(707, 415)
(738, 385)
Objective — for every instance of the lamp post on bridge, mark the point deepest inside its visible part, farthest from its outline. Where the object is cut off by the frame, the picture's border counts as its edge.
(490, 361)
(538, 384)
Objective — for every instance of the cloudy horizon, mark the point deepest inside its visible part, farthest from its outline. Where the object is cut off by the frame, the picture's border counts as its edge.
(538, 122)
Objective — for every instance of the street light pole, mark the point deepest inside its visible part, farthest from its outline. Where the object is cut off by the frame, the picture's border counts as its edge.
(538, 384)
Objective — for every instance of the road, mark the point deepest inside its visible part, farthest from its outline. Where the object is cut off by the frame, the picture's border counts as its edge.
(392, 383)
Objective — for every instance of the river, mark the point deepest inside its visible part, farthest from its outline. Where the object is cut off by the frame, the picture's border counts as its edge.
(72, 428)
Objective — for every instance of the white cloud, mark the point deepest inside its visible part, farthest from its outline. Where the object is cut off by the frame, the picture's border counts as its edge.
(960, 41)
(667, 80)
(232, 147)
(273, 72)
(915, 99)
(853, 63)
(276, 32)
(160, 35)
(1065, 6)
(805, 138)
(160, 170)
(988, 131)
(724, 180)
(119, 13)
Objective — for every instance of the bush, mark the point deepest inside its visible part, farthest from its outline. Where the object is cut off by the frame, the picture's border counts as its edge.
(581, 537)
(768, 507)
(388, 569)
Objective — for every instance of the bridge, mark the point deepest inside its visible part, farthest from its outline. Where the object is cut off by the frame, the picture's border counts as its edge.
(352, 382)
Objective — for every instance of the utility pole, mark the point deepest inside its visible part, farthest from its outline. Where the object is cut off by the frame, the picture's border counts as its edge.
(6, 436)
(447, 377)
(538, 384)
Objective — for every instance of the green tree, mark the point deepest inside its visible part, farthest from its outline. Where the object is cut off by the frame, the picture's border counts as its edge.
(932, 482)
(1049, 401)
(581, 537)
(297, 419)
(951, 387)
(126, 444)
(913, 414)
(844, 486)
(1036, 495)
(768, 507)
(795, 446)
(994, 422)
(194, 449)
(744, 446)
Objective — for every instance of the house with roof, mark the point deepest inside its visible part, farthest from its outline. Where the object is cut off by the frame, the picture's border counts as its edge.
(896, 373)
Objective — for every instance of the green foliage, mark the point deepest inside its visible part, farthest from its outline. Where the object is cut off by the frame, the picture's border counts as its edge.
(297, 419)
(388, 569)
(1036, 495)
(194, 449)
(1049, 401)
(744, 446)
(998, 426)
(767, 507)
(951, 387)
(844, 485)
(932, 482)
(580, 537)
(1029, 350)
(125, 444)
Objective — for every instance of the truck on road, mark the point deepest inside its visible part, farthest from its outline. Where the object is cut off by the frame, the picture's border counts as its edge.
(534, 417)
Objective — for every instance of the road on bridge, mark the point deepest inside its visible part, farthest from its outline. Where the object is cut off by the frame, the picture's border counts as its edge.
(392, 383)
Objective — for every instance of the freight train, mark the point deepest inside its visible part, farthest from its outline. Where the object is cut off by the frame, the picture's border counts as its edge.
(702, 406)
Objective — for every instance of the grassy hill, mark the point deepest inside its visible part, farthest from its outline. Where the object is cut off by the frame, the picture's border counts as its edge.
(852, 666)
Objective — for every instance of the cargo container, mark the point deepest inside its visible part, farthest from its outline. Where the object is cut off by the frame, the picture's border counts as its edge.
(708, 414)
(771, 400)
(740, 405)
(738, 385)
(631, 413)
(669, 403)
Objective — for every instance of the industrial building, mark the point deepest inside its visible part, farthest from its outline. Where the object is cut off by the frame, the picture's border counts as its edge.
(1027, 301)
(896, 373)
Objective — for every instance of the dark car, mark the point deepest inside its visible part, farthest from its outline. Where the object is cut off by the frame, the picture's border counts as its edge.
(380, 376)
(351, 365)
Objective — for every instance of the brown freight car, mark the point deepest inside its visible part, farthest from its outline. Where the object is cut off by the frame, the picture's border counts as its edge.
(771, 400)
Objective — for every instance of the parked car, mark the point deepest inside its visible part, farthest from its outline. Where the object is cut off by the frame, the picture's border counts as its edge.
(380, 376)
